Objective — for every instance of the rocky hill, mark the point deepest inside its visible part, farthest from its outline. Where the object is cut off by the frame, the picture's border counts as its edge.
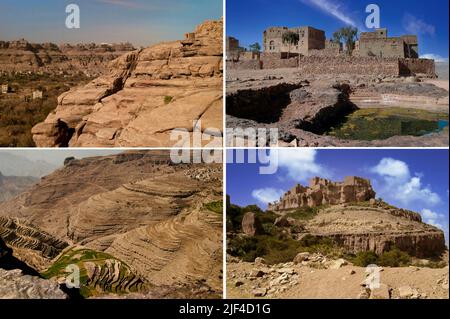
(91, 59)
(324, 227)
(144, 96)
(134, 222)
(11, 186)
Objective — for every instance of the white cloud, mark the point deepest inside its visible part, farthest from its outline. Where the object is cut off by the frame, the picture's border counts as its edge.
(299, 163)
(333, 8)
(398, 184)
(435, 219)
(416, 26)
(391, 167)
(435, 57)
(267, 195)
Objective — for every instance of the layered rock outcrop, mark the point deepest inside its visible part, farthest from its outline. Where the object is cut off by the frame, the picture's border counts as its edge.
(134, 221)
(91, 59)
(147, 94)
(325, 192)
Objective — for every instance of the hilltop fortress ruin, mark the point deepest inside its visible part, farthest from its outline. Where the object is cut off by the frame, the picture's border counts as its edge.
(375, 53)
(325, 192)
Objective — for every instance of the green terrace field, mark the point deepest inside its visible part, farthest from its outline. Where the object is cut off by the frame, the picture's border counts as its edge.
(111, 275)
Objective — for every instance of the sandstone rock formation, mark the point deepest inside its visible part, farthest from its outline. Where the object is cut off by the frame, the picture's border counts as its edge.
(91, 59)
(11, 186)
(144, 219)
(146, 94)
(325, 192)
(251, 225)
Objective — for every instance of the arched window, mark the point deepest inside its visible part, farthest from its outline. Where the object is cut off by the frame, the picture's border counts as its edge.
(272, 45)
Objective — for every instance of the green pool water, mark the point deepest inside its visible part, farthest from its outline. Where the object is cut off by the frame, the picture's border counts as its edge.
(381, 123)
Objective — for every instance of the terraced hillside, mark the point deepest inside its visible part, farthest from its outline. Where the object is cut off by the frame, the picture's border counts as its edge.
(134, 223)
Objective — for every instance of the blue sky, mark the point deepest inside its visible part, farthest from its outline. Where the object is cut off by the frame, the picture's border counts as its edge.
(141, 22)
(247, 19)
(411, 179)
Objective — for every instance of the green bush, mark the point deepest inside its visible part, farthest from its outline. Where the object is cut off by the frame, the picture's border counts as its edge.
(394, 258)
(303, 213)
(365, 258)
(168, 99)
(215, 207)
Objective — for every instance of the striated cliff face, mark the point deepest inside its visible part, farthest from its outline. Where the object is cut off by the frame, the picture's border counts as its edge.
(145, 95)
(325, 192)
(377, 228)
(133, 221)
(90, 59)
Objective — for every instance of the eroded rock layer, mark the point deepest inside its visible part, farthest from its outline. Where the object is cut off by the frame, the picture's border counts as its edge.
(147, 94)
(134, 221)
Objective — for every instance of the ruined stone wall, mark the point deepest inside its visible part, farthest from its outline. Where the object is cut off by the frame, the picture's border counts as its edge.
(244, 65)
(325, 192)
(417, 66)
(274, 61)
(341, 64)
(382, 48)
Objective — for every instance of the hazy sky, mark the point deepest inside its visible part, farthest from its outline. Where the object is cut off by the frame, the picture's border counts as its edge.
(57, 156)
(141, 22)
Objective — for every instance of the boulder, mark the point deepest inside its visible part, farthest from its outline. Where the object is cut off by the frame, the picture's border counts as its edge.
(336, 264)
(282, 221)
(259, 292)
(260, 261)
(15, 285)
(301, 257)
(406, 292)
(382, 292)
(251, 225)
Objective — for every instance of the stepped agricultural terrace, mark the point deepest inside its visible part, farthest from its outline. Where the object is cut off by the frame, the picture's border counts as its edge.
(325, 192)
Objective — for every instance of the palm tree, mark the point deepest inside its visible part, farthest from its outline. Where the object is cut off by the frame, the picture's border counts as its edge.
(291, 38)
(348, 35)
(255, 47)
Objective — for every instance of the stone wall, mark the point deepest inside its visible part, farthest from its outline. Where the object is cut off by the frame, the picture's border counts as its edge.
(342, 64)
(417, 66)
(244, 65)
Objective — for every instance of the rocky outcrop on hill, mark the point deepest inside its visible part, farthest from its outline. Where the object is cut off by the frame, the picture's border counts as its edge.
(147, 94)
(91, 59)
(11, 186)
(251, 225)
(325, 192)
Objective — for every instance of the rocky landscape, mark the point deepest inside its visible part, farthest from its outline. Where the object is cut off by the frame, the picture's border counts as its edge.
(21, 56)
(308, 108)
(317, 241)
(135, 102)
(10, 186)
(134, 223)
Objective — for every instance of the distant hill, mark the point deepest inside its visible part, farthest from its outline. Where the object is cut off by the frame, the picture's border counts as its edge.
(442, 70)
(10, 186)
(14, 165)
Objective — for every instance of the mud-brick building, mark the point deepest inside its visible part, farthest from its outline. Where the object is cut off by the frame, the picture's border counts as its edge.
(378, 44)
(309, 39)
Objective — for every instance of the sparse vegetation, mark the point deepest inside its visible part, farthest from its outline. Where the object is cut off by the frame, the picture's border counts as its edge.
(168, 99)
(392, 258)
(303, 213)
(215, 207)
(19, 113)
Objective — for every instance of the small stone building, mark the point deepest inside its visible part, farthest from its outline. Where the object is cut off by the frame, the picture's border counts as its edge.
(5, 89)
(233, 49)
(309, 39)
(378, 44)
(37, 94)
